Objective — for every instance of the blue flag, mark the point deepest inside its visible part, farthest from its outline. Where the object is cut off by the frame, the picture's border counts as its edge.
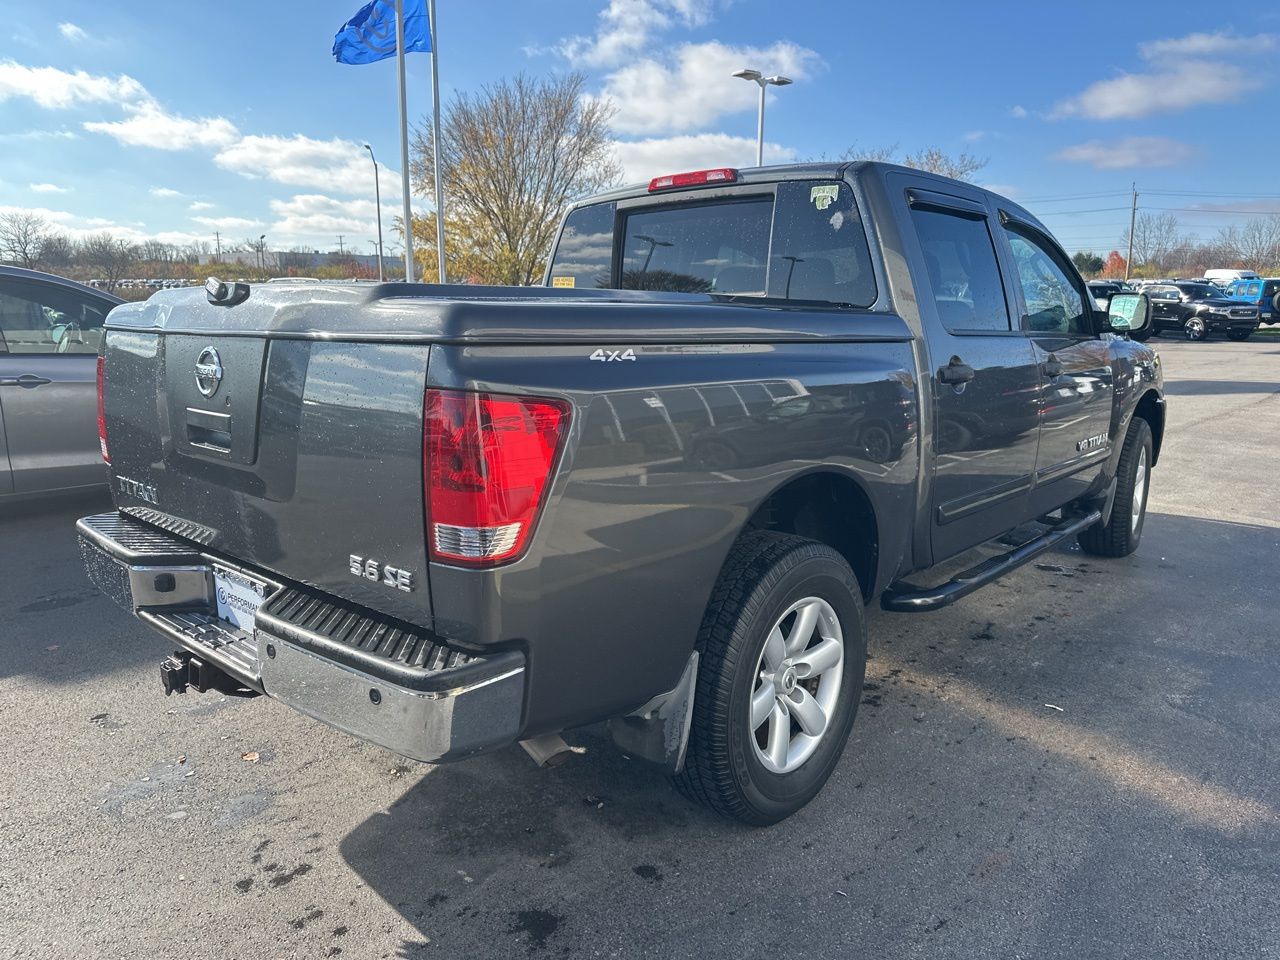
(370, 35)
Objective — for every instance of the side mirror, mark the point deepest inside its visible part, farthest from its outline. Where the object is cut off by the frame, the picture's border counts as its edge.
(1129, 313)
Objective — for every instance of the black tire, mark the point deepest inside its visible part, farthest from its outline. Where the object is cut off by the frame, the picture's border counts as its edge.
(1239, 336)
(1142, 336)
(1196, 329)
(1120, 536)
(764, 575)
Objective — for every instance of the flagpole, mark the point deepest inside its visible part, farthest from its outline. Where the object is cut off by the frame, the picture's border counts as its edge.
(404, 146)
(435, 108)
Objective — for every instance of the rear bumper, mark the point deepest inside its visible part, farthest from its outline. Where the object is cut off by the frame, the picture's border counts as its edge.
(379, 679)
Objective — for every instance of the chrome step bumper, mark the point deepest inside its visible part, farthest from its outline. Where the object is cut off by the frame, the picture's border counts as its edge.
(382, 680)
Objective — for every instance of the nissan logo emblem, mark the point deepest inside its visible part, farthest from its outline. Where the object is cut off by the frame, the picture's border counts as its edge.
(208, 371)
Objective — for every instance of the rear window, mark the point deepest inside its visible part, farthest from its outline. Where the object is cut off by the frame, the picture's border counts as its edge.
(807, 244)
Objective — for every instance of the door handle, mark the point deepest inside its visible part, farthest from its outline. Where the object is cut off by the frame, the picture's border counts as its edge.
(1052, 366)
(956, 372)
(26, 380)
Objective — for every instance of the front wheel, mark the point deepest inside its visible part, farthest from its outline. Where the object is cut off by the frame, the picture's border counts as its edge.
(783, 651)
(1239, 335)
(1120, 536)
(1195, 329)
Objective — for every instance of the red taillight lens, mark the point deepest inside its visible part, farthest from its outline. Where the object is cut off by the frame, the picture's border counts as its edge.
(102, 411)
(697, 178)
(487, 459)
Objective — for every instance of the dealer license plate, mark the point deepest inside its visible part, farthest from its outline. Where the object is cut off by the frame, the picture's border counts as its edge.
(238, 597)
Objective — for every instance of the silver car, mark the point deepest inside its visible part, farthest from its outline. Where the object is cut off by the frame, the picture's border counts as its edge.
(50, 330)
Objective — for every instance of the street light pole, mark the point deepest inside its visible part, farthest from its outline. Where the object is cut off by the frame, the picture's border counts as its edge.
(377, 198)
(756, 77)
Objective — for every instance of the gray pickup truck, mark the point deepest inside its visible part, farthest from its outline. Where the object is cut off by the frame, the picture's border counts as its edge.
(657, 492)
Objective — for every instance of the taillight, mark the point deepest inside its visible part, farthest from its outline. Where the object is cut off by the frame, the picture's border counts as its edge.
(697, 178)
(487, 459)
(102, 411)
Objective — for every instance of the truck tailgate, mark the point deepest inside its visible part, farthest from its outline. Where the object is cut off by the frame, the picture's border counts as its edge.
(288, 453)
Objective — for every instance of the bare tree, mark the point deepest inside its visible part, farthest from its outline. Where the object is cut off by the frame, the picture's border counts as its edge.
(57, 252)
(1155, 237)
(1255, 245)
(21, 235)
(877, 154)
(156, 251)
(111, 257)
(960, 166)
(513, 156)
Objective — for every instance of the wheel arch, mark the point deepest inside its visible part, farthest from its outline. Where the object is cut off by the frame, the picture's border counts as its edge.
(1151, 408)
(832, 508)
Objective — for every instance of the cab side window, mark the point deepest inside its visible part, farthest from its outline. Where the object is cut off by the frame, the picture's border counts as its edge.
(584, 254)
(1054, 303)
(35, 318)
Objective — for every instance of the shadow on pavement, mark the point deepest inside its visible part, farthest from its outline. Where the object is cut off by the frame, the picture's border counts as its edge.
(1027, 770)
(1206, 387)
(58, 627)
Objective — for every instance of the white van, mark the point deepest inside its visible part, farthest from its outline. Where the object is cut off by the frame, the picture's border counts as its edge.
(1221, 278)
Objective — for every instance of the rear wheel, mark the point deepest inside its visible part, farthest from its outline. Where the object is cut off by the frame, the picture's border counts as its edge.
(783, 650)
(1120, 535)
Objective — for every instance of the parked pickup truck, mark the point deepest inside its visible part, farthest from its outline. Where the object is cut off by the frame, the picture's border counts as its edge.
(658, 492)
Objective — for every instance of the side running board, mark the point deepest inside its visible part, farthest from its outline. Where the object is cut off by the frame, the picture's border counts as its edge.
(903, 597)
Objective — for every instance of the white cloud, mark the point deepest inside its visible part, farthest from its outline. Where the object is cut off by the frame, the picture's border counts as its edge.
(1190, 71)
(337, 165)
(318, 218)
(41, 135)
(47, 188)
(645, 159)
(71, 32)
(150, 125)
(1209, 44)
(1182, 84)
(696, 86)
(165, 192)
(226, 224)
(1129, 152)
(56, 89)
(197, 205)
(78, 227)
(1018, 112)
(626, 26)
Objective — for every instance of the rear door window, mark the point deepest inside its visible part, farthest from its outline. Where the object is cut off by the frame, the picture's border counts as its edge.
(961, 261)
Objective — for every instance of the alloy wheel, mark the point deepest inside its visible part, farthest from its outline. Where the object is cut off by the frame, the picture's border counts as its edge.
(797, 684)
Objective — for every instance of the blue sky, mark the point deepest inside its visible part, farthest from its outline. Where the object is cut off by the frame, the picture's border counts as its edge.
(174, 120)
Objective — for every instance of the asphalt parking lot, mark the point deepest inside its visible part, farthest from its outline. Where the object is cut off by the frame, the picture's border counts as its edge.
(1079, 761)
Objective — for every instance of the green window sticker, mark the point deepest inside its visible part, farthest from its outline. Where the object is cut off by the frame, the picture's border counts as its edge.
(823, 196)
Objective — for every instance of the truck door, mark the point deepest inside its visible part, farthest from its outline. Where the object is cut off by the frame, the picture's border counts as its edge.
(48, 379)
(984, 378)
(1075, 413)
(6, 474)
